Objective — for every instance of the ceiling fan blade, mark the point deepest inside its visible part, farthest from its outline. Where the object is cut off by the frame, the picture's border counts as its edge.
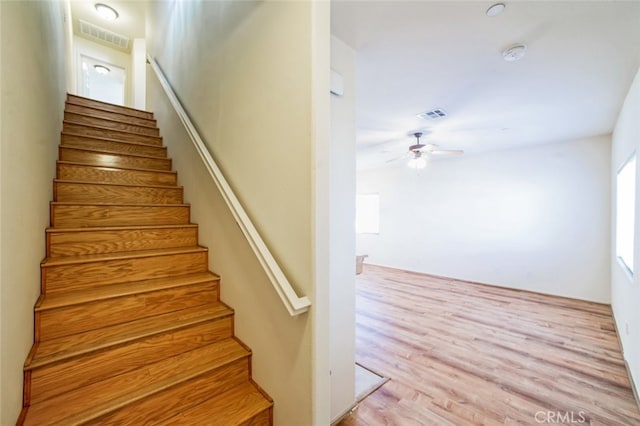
(392, 160)
(446, 152)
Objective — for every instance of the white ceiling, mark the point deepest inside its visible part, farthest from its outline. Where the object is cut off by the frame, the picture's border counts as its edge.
(417, 56)
(130, 23)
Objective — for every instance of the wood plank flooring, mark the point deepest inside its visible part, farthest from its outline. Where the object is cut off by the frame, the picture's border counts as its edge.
(462, 354)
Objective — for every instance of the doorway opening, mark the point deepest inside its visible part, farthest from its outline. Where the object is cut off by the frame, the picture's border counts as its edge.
(102, 81)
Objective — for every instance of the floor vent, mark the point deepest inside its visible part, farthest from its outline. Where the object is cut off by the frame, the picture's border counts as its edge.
(433, 114)
(107, 36)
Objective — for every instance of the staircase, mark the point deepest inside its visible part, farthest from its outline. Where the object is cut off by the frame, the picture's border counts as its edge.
(129, 327)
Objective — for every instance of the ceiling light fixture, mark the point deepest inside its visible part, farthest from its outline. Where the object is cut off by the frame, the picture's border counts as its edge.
(496, 9)
(417, 161)
(101, 69)
(514, 53)
(107, 12)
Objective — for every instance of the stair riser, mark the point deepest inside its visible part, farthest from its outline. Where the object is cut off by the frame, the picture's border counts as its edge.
(116, 125)
(85, 173)
(85, 130)
(52, 380)
(77, 141)
(95, 274)
(91, 316)
(95, 193)
(241, 405)
(69, 107)
(179, 399)
(261, 419)
(108, 107)
(113, 160)
(74, 216)
(74, 243)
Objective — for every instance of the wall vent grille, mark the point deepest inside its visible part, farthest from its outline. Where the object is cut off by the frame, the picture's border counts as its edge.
(106, 36)
(433, 114)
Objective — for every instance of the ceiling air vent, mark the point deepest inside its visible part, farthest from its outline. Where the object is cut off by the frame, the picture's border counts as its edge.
(106, 36)
(433, 114)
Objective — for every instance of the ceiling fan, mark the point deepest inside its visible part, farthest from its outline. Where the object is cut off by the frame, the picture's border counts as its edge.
(419, 151)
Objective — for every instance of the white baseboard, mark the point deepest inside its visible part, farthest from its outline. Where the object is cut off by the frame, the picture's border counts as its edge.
(344, 414)
(634, 389)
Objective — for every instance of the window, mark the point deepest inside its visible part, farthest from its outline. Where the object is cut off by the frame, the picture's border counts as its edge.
(626, 213)
(367, 213)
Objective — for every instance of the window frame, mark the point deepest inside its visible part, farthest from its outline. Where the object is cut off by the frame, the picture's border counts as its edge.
(377, 214)
(628, 268)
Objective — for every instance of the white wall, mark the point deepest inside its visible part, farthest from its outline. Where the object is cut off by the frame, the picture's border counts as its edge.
(139, 73)
(342, 232)
(625, 290)
(82, 46)
(33, 86)
(243, 71)
(536, 218)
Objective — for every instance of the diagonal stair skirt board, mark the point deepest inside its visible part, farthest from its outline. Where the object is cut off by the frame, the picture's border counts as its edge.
(367, 382)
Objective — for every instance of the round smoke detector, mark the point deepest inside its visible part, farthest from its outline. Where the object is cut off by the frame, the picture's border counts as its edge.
(495, 10)
(514, 53)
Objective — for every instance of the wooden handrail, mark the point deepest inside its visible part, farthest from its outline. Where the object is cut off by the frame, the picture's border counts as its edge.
(295, 305)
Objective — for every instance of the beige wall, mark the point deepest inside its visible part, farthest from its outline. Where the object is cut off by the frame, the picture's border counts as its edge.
(243, 72)
(32, 98)
(625, 289)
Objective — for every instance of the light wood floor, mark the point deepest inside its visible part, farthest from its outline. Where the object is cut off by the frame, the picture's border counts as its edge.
(466, 354)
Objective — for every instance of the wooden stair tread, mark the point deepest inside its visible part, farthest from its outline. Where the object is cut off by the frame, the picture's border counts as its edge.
(71, 117)
(67, 347)
(90, 156)
(96, 399)
(74, 163)
(106, 139)
(110, 129)
(71, 98)
(62, 299)
(94, 130)
(80, 189)
(118, 228)
(77, 203)
(112, 152)
(98, 238)
(88, 258)
(129, 185)
(233, 407)
(99, 112)
(94, 204)
(114, 120)
(66, 214)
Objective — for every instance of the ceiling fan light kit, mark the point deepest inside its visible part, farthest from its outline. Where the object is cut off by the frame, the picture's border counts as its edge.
(417, 163)
(420, 151)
